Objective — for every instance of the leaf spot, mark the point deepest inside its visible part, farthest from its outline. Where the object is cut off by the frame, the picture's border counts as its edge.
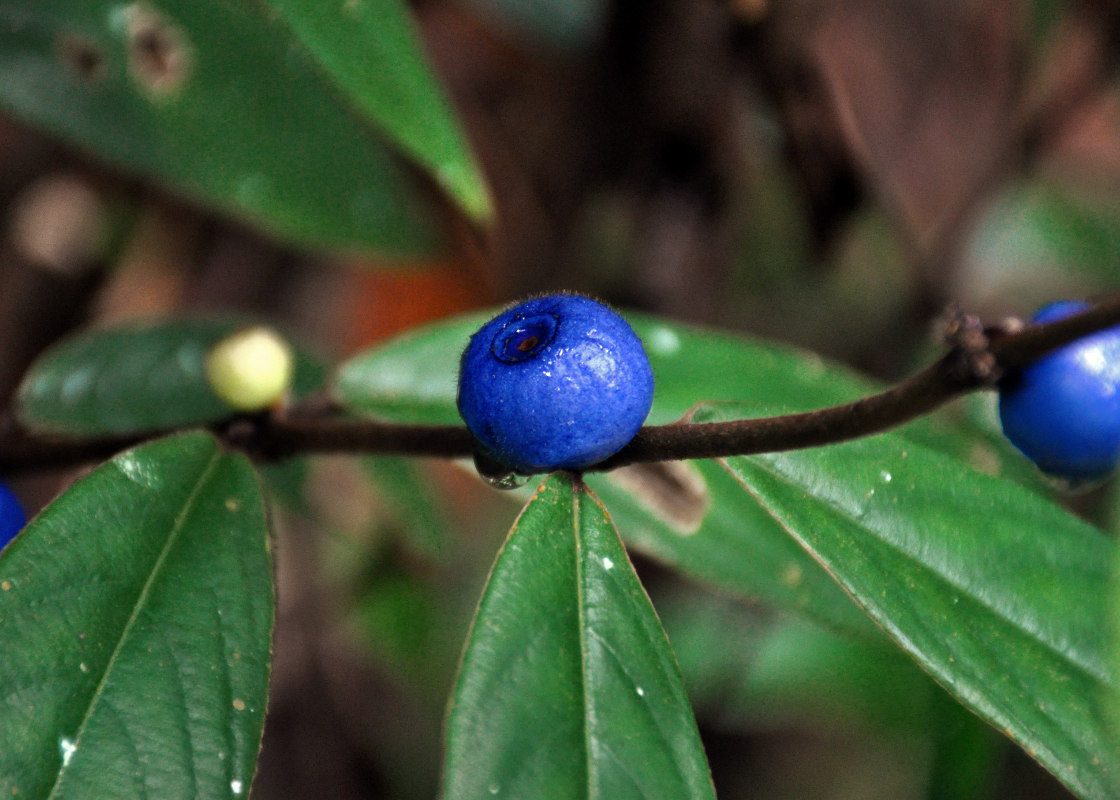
(82, 56)
(159, 56)
(238, 704)
(791, 575)
(232, 504)
(6, 585)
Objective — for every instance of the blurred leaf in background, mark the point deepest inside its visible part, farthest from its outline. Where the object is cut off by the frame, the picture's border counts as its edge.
(225, 105)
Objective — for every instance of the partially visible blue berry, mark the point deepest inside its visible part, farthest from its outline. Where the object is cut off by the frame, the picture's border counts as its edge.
(12, 516)
(1063, 411)
(557, 382)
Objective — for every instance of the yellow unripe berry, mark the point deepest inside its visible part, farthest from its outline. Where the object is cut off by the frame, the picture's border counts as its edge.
(251, 369)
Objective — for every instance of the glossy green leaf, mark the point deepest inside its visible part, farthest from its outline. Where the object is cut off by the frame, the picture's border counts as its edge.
(372, 52)
(996, 592)
(136, 615)
(220, 103)
(412, 377)
(692, 516)
(568, 687)
(133, 378)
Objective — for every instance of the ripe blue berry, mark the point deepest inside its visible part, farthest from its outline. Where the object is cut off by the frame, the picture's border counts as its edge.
(1063, 411)
(557, 382)
(12, 516)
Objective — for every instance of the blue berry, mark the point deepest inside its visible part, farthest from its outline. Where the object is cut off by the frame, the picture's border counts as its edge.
(557, 382)
(1063, 411)
(12, 516)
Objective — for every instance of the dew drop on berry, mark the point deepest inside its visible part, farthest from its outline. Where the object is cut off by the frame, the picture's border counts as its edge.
(506, 482)
(495, 474)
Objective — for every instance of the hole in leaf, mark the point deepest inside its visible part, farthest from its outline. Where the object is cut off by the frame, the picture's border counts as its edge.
(159, 54)
(675, 491)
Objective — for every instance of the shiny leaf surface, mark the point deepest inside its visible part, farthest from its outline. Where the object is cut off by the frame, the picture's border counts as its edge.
(692, 516)
(133, 378)
(136, 614)
(999, 594)
(568, 687)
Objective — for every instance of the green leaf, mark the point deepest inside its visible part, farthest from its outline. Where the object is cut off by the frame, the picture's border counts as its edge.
(996, 592)
(372, 52)
(136, 614)
(220, 103)
(568, 687)
(694, 517)
(412, 377)
(746, 668)
(414, 503)
(133, 378)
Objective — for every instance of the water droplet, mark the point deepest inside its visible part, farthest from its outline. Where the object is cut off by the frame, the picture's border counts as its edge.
(495, 788)
(886, 476)
(641, 692)
(83, 667)
(236, 786)
(607, 563)
(67, 747)
(496, 475)
(510, 480)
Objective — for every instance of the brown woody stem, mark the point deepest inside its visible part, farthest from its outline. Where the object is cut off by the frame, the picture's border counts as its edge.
(976, 360)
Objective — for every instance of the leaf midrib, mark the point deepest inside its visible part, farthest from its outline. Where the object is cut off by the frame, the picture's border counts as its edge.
(157, 569)
(1086, 669)
(977, 702)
